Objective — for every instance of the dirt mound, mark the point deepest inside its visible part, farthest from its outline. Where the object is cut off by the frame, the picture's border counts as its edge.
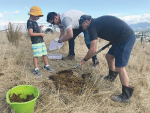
(16, 98)
(67, 81)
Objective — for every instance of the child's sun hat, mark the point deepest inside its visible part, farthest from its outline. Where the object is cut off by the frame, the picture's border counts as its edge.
(35, 11)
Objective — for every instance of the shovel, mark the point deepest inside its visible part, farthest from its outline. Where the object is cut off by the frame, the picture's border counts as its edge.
(76, 66)
(96, 52)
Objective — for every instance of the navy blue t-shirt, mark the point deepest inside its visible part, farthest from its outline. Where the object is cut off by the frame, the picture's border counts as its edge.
(109, 28)
(36, 29)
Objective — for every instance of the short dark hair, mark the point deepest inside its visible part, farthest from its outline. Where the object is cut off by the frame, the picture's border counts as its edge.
(50, 16)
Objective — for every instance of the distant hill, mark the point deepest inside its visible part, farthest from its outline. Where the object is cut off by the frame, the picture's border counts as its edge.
(140, 26)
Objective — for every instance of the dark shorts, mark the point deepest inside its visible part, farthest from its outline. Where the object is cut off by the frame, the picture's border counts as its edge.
(122, 51)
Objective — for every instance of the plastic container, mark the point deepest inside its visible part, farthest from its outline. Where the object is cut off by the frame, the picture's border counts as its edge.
(54, 56)
(24, 107)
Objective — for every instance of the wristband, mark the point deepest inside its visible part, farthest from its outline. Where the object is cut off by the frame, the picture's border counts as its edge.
(59, 41)
(85, 59)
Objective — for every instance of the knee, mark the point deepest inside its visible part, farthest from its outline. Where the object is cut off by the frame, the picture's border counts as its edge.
(120, 69)
(108, 58)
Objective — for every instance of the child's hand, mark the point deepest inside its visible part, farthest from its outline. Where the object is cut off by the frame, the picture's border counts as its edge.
(42, 34)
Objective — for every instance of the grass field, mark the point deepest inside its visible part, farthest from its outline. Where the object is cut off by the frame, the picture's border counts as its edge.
(16, 66)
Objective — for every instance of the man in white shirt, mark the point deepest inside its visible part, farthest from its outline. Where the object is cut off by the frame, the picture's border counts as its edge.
(69, 21)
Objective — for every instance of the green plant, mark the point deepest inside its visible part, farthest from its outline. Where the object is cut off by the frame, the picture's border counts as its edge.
(13, 33)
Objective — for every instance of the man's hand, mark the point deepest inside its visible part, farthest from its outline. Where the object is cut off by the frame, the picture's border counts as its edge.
(42, 34)
(82, 62)
(57, 40)
(68, 36)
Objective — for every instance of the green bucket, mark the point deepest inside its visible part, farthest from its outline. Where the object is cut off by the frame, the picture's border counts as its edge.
(24, 90)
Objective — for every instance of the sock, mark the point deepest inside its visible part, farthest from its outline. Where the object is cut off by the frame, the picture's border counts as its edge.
(36, 69)
(46, 65)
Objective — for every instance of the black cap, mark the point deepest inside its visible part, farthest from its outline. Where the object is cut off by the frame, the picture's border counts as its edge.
(83, 18)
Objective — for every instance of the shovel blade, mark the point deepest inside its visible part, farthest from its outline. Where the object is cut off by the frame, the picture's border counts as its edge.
(76, 66)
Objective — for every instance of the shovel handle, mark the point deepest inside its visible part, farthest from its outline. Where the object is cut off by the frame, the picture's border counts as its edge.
(110, 43)
(96, 52)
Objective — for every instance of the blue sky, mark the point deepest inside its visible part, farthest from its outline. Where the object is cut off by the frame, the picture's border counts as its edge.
(131, 11)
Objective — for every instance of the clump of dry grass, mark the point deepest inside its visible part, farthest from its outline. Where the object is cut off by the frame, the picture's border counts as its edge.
(13, 33)
(26, 34)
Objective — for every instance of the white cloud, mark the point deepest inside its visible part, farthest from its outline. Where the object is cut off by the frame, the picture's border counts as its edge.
(27, 8)
(1, 15)
(6, 12)
(148, 27)
(133, 19)
(16, 12)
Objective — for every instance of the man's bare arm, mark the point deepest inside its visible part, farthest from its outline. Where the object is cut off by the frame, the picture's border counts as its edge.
(62, 33)
(68, 35)
(92, 50)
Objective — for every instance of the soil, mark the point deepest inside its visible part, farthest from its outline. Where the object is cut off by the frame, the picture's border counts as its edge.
(16, 98)
(66, 80)
(1, 74)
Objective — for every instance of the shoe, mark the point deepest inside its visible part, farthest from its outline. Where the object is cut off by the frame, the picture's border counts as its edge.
(96, 63)
(48, 68)
(111, 76)
(37, 72)
(69, 57)
(125, 96)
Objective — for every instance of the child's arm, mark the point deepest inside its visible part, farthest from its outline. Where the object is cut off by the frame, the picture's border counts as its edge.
(35, 34)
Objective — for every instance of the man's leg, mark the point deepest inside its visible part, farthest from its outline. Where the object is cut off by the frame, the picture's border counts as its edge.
(110, 61)
(71, 55)
(127, 90)
(124, 79)
(110, 57)
(122, 55)
(87, 42)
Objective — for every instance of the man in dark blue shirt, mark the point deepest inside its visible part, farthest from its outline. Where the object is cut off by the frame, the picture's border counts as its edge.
(122, 37)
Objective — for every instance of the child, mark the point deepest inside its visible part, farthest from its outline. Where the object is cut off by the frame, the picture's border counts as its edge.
(38, 45)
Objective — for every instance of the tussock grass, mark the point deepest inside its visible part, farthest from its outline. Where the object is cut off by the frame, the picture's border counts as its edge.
(26, 33)
(13, 33)
(17, 65)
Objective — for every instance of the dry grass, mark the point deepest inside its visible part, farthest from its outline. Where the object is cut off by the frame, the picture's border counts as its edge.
(16, 65)
(13, 33)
